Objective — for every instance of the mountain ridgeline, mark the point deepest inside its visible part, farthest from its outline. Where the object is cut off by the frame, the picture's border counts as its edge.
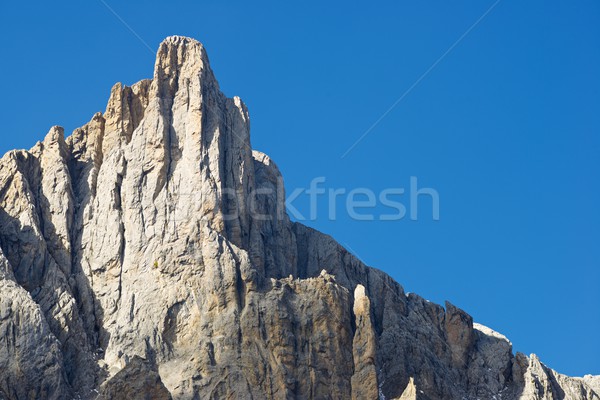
(128, 270)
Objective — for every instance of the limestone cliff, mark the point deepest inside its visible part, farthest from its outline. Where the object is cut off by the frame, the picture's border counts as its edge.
(147, 255)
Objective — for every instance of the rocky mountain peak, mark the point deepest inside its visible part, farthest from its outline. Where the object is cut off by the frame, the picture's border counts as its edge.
(181, 62)
(146, 255)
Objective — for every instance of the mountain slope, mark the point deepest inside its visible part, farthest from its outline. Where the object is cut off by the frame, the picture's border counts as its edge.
(148, 255)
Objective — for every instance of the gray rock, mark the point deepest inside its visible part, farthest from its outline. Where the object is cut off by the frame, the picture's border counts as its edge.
(148, 255)
(138, 380)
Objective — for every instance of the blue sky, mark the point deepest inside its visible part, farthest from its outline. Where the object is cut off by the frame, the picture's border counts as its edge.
(506, 127)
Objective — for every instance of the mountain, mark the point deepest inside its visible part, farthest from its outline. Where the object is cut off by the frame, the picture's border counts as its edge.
(148, 256)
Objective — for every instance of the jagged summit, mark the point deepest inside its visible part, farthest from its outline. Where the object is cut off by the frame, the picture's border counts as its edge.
(177, 40)
(146, 256)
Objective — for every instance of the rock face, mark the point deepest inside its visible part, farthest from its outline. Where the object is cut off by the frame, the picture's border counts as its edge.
(148, 255)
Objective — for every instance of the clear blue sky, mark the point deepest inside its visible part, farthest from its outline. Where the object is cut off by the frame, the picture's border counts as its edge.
(506, 127)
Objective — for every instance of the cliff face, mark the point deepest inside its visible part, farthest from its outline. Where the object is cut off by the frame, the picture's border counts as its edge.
(137, 261)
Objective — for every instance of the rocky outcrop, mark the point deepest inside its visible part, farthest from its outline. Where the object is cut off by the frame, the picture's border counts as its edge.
(31, 361)
(364, 380)
(148, 255)
(410, 393)
(137, 380)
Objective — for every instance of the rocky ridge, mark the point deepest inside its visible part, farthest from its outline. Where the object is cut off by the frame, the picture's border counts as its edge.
(133, 265)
